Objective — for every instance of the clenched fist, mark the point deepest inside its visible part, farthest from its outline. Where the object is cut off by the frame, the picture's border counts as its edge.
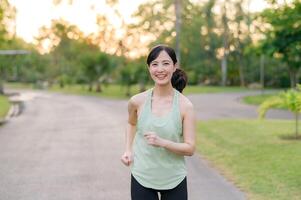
(127, 158)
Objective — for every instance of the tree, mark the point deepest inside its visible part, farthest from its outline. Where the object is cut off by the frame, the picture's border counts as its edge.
(239, 18)
(66, 43)
(178, 9)
(96, 67)
(225, 44)
(290, 99)
(141, 74)
(283, 39)
(127, 77)
(7, 18)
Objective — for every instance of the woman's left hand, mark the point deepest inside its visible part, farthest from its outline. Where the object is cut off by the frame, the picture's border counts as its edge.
(153, 139)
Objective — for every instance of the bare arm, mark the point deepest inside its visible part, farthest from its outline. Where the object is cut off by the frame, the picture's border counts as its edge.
(186, 148)
(130, 133)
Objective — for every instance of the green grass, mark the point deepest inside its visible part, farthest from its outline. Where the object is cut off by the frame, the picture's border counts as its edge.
(254, 155)
(111, 91)
(117, 91)
(4, 106)
(213, 89)
(19, 85)
(258, 99)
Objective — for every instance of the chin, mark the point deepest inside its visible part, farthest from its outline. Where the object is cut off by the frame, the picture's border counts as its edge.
(162, 82)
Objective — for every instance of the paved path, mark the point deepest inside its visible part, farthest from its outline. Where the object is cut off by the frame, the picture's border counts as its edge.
(68, 147)
(229, 105)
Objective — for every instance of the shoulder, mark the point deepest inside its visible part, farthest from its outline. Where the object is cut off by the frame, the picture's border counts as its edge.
(138, 99)
(185, 102)
(186, 106)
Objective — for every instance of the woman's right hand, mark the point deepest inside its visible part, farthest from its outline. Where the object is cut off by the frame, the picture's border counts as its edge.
(127, 158)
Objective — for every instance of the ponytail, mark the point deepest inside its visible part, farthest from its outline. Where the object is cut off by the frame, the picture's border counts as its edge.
(179, 80)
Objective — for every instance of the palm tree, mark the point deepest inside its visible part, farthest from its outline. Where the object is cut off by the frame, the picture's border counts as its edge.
(225, 44)
(178, 8)
(290, 99)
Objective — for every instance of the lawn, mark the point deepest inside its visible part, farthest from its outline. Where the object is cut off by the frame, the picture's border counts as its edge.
(213, 89)
(256, 155)
(258, 99)
(118, 91)
(4, 106)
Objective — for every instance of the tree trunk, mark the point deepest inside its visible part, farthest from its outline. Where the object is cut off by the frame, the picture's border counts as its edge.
(98, 87)
(62, 85)
(90, 87)
(1, 87)
(292, 78)
(177, 4)
(262, 70)
(128, 91)
(142, 87)
(224, 70)
(225, 45)
(297, 120)
(241, 72)
(298, 76)
(262, 73)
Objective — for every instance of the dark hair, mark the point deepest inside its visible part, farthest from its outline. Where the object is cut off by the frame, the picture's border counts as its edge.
(179, 77)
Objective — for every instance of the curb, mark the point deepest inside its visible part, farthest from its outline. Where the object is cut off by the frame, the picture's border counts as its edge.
(14, 110)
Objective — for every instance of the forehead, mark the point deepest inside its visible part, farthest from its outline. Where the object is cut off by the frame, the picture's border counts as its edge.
(163, 56)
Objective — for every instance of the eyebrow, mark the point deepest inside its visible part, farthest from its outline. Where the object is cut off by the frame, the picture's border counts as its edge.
(162, 61)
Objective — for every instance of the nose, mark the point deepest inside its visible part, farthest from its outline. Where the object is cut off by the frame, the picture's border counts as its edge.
(160, 67)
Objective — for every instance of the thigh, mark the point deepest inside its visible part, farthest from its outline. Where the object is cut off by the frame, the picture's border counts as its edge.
(139, 192)
(177, 193)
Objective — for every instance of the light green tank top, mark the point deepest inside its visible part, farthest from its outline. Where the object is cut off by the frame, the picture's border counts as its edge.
(156, 167)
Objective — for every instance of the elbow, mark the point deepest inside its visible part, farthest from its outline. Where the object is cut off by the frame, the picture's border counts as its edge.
(190, 150)
(190, 153)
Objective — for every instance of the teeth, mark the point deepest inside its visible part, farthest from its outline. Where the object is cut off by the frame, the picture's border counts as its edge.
(161, 76)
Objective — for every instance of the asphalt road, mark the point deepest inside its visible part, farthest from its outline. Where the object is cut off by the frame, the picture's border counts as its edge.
(68, 147)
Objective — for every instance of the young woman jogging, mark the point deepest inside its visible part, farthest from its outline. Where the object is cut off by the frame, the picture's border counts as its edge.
(160, 131)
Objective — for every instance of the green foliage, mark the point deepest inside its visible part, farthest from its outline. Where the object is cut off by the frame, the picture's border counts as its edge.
(4, 106)
(82, 59)
(290, 99)
(268, 104)
(96, 67)
(283, 40)
(7, 15)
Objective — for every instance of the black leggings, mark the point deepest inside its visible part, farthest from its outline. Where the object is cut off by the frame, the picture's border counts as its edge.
(139, 192)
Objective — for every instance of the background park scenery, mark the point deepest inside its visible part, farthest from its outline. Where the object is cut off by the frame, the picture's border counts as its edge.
(225, 46)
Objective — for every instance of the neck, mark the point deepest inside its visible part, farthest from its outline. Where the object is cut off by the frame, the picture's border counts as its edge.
(163, 91)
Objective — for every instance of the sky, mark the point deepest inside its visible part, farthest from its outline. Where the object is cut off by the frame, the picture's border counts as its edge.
(33, 14)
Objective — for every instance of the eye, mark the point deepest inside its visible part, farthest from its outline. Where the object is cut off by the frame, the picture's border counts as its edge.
(166, 63)
(154, 64)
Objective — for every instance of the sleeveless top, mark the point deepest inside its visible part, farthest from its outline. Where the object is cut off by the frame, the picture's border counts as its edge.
(157, 167)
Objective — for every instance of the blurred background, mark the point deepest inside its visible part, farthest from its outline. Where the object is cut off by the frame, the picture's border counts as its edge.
(232, 48)
(57, 43)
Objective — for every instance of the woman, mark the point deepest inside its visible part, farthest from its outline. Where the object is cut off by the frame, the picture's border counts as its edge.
(160, 132)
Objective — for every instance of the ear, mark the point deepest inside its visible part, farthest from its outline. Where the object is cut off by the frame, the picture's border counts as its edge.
(176, 66)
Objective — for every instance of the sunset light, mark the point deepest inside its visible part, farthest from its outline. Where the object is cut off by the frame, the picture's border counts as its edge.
(150, 99)
(32, 14)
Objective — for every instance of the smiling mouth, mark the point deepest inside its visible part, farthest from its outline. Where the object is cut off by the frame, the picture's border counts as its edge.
(161, 77)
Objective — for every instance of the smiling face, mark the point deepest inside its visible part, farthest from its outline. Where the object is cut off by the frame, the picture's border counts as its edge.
(162, 68)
